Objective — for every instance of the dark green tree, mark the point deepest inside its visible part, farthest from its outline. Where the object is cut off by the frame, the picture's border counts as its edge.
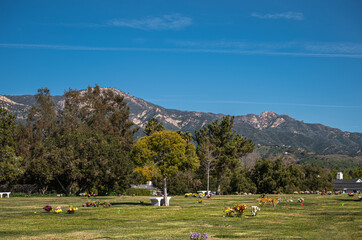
(262, 176)
(41, 125)
(228, 147)
(10, 163)
(153, 125)
(358, 172)
(316, 178)
(187, 136)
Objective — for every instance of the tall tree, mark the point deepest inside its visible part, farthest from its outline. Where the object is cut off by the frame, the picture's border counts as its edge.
(153, 125)
(205, 151)
(95, 141)
(168, 152)
(228, 147)
(10, 164)
(86, 145)
(41, 125)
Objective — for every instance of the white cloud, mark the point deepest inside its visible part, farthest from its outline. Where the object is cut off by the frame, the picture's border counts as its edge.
(268, 49)
(165, 22)
(286, 15)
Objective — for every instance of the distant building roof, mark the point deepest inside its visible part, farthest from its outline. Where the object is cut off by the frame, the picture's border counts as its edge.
(348, 185)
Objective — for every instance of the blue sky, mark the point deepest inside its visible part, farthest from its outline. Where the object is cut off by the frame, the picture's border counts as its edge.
(300, 58)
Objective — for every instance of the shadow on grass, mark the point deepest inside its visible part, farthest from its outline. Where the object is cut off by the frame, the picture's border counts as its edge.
(349, 200)
(131, 203)
(336, 213)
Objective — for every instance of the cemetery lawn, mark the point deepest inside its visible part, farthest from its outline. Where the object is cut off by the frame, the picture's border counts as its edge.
(321, 217)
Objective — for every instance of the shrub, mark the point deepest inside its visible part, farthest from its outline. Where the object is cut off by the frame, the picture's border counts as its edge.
(138, 192)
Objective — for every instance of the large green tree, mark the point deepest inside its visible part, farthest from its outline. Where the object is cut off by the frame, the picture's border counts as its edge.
(86, 145)
(41, 124)
(227, 146)
(10, 163)
(167, 152)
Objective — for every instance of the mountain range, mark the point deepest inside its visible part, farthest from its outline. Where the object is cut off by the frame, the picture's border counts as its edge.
(265, 129)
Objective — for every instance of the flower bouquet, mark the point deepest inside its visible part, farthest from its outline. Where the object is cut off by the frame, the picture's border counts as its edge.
(58, 210)
(237, 210)
(72, 210)
(188, 194)
(197, 235)
(254, 210)
(48, 208)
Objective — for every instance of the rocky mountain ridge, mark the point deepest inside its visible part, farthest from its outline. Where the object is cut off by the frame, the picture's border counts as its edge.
(267, 128)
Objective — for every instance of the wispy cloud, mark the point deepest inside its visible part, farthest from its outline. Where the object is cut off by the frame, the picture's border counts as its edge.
(165, 22)
(286, 15)
(318, 49)
(246, 50)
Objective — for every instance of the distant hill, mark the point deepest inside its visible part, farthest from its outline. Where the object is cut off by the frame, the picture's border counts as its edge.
(267, 128)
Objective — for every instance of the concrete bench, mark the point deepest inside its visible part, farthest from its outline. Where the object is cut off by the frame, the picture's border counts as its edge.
(4, 193)
(158, 201)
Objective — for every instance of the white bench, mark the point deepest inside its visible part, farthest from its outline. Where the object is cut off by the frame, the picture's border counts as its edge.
(4, 193)
(158, 201)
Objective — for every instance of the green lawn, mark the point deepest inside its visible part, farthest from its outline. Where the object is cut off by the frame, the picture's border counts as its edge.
(321, 217)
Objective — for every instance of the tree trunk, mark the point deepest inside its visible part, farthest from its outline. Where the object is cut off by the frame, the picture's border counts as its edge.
(165, 190)
(44, 189)
(208, 178)
(218, 191)
(61, 185)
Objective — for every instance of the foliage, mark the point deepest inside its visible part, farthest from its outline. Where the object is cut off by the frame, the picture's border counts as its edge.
(10, 163)
(138, 192)
(153, 125)
(221, 147)
(84, 146)
(358, 172)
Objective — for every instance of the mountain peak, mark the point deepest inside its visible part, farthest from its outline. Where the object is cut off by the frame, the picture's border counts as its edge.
(268, 114)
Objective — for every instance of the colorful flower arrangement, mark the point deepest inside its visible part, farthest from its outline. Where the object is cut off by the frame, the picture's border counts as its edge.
(197, 235)
(107, 204)
(72, 210)
(264, 200)
(48, 208)
(92, 204)
(236, 211)
(200, 201)
(201, 195)
(188, 194)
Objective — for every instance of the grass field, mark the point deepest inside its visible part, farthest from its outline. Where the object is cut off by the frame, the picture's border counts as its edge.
(321, 217)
